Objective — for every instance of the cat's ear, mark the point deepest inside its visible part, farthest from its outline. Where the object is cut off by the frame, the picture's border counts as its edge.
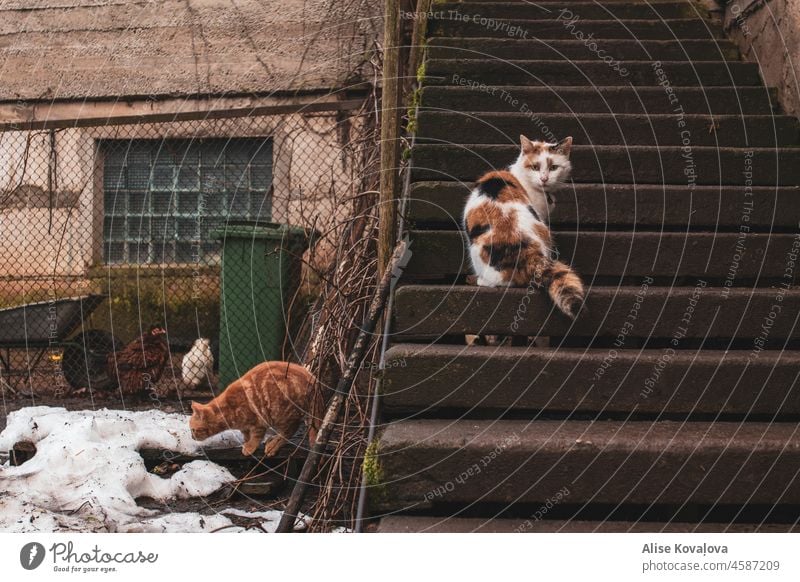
(526, 144)
(196, 406)
(564, 146)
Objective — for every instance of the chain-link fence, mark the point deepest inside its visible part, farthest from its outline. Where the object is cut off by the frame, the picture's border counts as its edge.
(214, 230)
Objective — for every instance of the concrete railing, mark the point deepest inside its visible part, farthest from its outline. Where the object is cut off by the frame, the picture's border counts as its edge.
(768, 33)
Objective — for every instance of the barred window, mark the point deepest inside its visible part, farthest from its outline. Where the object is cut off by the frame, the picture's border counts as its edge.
(162, 198)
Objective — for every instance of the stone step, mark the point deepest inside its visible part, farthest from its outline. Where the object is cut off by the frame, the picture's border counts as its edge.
(618, 164)
(609, 3)
(474, 72)
(497, 380)
(567, 10)
(423, 524)
(436, 126)
(553, 28)
(755, 316)
(600, 99)
(568, 50)
(618, 254)
(622, 206)
(427, 463)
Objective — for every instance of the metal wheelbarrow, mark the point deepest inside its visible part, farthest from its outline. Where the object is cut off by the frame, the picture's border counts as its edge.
(56, 326)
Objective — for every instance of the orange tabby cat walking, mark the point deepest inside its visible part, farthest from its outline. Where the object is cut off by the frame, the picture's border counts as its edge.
(273, 395)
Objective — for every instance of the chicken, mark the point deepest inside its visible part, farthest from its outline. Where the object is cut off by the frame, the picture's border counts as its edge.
(138, 366)
(198, 364)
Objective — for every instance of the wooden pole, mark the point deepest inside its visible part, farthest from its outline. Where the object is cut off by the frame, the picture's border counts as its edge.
(394, 269)
(390, 132)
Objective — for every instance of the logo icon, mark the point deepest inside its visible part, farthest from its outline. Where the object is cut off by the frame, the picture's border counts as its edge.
(31, 555)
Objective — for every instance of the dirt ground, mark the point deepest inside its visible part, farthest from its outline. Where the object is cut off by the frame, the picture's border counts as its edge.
(46, 386)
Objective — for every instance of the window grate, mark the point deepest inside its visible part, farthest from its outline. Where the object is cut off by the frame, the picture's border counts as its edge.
(163, 198)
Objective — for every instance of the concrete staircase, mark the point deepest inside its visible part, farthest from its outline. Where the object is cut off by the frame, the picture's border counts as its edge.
(671, 403)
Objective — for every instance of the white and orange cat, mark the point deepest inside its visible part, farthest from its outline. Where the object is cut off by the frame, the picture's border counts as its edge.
(507, 219)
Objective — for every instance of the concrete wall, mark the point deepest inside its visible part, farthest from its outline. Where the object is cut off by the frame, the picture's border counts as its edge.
(768, 33)
(83, 58)
(40, 237)
(72, 49)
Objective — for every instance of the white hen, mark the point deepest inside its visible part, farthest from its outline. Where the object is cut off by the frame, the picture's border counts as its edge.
(198, 364)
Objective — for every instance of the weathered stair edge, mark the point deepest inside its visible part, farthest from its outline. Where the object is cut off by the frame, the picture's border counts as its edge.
(731, 257)
(439, 205)
(601, 462)
(623, 49)
(474, 72)
(602, 99)
(585, 10)
(420, 524)
(601, 29)
(619, 379)
(427, 312)
(624, 164)
(606, 129)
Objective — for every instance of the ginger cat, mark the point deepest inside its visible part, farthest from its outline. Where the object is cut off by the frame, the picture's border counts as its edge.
(273, 395)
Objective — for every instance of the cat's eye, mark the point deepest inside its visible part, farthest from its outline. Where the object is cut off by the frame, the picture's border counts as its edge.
(535, 167)
(554, 167)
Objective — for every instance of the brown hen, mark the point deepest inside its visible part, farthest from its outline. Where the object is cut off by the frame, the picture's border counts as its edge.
(138, 366)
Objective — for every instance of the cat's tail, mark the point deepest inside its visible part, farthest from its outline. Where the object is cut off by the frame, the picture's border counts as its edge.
(564, 287)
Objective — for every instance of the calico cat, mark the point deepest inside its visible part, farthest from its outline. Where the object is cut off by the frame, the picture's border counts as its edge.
(273, 395)
(506, 219)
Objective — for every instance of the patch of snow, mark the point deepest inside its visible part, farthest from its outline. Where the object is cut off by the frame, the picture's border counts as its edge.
(20, 516)
(87, 472)
(270, 518)
(180, 522)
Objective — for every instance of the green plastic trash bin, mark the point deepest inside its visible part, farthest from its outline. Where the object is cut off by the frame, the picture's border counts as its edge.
(260, 269)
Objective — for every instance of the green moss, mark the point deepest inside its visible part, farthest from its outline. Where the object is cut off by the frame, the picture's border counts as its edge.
(411, 114)
(187, 302)
(185, 299)
(373, 473)
(411, 125)
(416, 101)
(15, 293)
(421, 72)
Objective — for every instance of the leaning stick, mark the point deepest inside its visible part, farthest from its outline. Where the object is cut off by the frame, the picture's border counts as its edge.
(392, 273)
